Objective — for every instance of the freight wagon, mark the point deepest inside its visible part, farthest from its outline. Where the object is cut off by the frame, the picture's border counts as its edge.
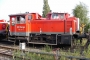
(3, 29)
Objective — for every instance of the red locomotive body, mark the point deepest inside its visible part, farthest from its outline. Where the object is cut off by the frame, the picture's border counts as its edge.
(3, 29)
(56, 28)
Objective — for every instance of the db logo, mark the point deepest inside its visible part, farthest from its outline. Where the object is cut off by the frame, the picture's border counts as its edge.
(20, 26)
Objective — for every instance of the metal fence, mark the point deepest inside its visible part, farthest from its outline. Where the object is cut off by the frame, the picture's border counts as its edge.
(57, 55)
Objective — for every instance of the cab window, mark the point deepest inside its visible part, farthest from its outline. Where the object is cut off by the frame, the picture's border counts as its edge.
(29, 17)
(62, 16)
(20, 19)
(55, 16)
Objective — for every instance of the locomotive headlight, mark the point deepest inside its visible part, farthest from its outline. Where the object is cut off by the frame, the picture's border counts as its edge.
(71, 31)
(13, 19)
(3, 26)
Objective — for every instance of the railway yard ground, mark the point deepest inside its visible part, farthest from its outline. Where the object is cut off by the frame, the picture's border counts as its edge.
(11, 51)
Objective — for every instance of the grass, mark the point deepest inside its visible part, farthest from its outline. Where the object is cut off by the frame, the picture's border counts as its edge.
(47, 48)
(34, 56)
(86, 52)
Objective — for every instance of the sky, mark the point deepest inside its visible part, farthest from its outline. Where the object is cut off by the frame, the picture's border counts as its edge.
(8, 7)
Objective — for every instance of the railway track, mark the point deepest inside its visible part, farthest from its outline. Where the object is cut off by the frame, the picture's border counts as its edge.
(7, 49)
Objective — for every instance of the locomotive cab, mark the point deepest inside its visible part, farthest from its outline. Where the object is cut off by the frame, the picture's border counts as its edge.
(20, 24)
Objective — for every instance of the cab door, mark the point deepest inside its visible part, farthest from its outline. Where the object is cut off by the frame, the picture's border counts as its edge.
(21, 25)
(12, 25)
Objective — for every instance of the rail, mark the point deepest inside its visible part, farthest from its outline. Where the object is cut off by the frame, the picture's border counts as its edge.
(55, 54)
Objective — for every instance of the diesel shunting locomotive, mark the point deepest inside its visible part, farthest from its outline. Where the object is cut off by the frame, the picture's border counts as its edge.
(56, 28)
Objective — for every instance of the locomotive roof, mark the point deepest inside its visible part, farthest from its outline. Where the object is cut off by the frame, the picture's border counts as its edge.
(17, 14)
(20, 14)
(57, 13)
(3, 22)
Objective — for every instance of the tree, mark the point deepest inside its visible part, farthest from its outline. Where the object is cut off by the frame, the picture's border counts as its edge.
(46, 8)
(81, 12)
